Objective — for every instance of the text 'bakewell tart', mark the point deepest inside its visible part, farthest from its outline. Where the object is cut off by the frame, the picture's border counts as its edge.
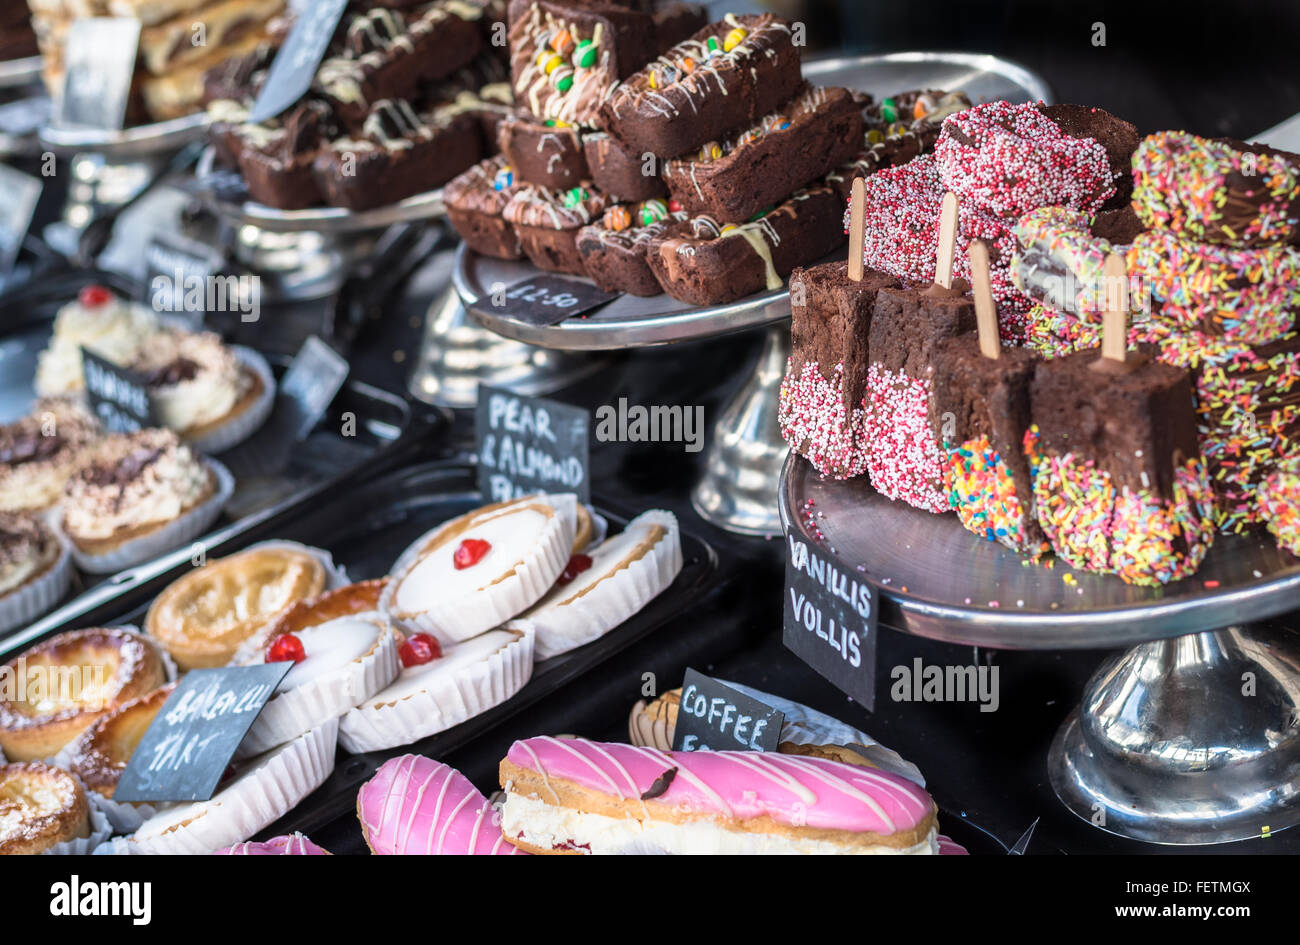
(53, 692)
(343, 650)
(203, 617)
(477, 571)
(102, 752)
(607, 584)
(40, 807)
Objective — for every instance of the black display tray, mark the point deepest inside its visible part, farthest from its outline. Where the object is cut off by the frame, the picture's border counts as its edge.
(365, 525)
(271, 472)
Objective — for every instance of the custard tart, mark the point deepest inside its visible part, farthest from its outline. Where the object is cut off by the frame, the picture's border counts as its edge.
(53, 692)
(203, 617)
(102, 752)
(40, 807)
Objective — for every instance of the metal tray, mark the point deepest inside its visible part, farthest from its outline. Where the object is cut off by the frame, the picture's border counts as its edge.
(136, 141)
(221, 194)
(938, 580)
(387, 429)
(366, 526)
(15, 73)
(629, 321)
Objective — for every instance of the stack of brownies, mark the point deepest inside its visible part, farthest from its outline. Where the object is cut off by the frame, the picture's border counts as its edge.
(709, 170)
(403, 101)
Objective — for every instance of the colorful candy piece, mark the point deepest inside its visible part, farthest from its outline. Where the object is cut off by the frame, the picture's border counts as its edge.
(503, 179)
(734, 38)
(652, 211)
(562, 42)
(889, 110)
(562, 79)
(575, 197)
(617, 218)
(584, 54)
(1280, 502)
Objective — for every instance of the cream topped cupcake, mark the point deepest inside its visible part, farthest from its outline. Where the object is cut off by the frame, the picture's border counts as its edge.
(195, 382)
(132, 485)
(28, 549)
(99, 321)
(41, 451)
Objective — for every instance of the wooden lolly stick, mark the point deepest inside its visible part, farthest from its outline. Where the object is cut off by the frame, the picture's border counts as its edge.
(986, 312)
(857, 215)
(947, 241)
(1114, 321)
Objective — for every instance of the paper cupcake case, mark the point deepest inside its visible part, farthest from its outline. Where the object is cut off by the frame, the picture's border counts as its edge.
(267, 791)
(239, 428)
(466, 617)
(173, 535)
(448, 702)
(613, 599)
(100, 830)
(38, 597)
(302, 708)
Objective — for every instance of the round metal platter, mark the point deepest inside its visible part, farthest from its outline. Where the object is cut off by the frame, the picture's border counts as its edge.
(630, 322)
(938, 580)
(137, 141)
(19, 72)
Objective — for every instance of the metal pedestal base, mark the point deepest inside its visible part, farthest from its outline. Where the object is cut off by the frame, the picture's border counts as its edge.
(1191, 740)
(743, 469)
(299, 266)
(457, 355)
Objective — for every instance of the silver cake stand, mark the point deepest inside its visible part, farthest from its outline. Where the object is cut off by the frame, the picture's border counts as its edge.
(743, 464)
(16, 73)
(1192, 736)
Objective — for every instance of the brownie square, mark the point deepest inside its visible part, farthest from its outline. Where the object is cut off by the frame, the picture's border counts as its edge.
(541, 154)
(906, 325)
(618, 170)
(475, 202)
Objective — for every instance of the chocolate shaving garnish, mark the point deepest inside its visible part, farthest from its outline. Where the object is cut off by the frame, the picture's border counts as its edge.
(660, 785)
(182, 369)
(26, 447)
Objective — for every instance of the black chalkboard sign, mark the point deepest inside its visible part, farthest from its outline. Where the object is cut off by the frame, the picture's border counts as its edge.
(173, 267)
(21, 193)
(530, 444)
(830, 619)
(119, 397)
(98, 64)
(296, 63)
(546, 300)
(310, 385)
(187, 749)
(714, 717)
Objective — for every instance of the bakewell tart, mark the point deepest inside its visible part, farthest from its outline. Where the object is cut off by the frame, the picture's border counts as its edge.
(477, 571)
(52, 693)
(202, 618)
(343, 650)
(40, 807)
(41, 451)
(607, 584)
(102, 752)
(195, 382)
(131, 485)
(574, 796)
(439, 687)
(99, 321)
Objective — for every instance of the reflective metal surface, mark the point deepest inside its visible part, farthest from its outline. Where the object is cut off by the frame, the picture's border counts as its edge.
(1188, 741)
(128, 142)
(743, 465)
(938, 580)
(630, 322)
(18, 72)
(457, 355)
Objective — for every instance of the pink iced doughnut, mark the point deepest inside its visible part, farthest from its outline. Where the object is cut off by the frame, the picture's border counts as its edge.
(293, 845)
(417, 806)
(950, 847)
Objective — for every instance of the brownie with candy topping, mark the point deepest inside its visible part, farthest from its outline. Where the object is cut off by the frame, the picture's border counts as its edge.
(547, 224)
(614, 250)
(398, 154)
(546, 153)
(275, 158)
(566, 58)
(619, 171)
(476, 201)
(724, 77)
(706, 263)
(738, 176)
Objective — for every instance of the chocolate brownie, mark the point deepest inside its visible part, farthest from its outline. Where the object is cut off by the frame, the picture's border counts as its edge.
(704, 263)
(619, 171)
(907, 324)
(739, 176)
(981, 404)
(545, 153)
(565, 58)
(724, 77)
(547, 223)
(475, 201)
(398, 154)
(1137, 426)
(275, 158)
(240, 78)
(1119, 137)
(676, 22)
(387, 54)
(614, 250)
